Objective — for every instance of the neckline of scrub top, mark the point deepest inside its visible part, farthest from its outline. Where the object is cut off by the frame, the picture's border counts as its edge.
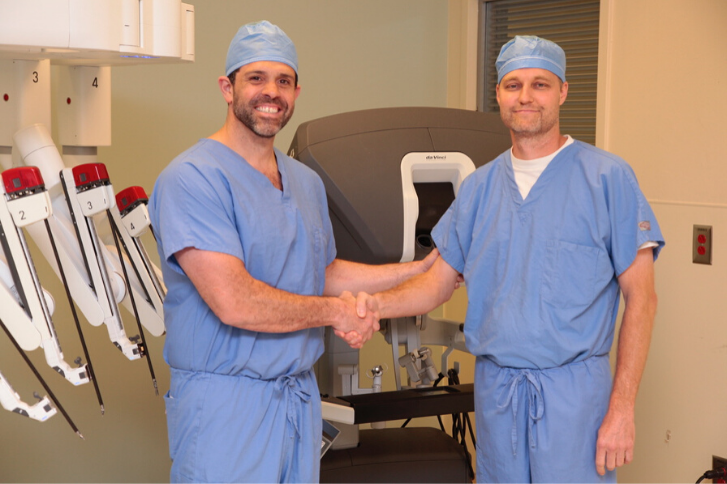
(285, 192)
(540, 184)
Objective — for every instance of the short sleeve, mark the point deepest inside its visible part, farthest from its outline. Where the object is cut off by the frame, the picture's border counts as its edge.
(194, 209)
(453, 233)
(633, 222)
(327, 227)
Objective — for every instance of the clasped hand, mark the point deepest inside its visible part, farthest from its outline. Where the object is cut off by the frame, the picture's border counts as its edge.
(361, 320)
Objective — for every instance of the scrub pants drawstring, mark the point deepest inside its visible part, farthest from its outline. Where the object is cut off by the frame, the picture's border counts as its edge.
(535, 403)
(294, 394)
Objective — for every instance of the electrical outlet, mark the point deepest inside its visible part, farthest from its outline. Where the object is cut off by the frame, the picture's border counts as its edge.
(702, 244)
(718, 463)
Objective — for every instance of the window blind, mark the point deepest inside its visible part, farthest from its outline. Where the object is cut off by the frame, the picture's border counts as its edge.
(572, 24)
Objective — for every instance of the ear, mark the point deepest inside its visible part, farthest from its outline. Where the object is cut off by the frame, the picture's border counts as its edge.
(226, 88)
(297, 91)
(563, 92)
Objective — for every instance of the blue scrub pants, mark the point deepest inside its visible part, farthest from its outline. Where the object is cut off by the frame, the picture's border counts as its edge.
(238, 429)
(540, 425)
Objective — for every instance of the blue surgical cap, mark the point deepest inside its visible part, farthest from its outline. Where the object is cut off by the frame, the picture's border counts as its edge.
(525, 51)
(260, 41)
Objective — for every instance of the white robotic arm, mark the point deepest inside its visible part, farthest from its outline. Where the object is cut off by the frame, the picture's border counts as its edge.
(83, 38)
(94, 196)
(131, 220)
(16, 319)
(11, 401)
(25, 202)
(80, 252)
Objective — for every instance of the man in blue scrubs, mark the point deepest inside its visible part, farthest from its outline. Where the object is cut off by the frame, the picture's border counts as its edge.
(248, 257)
(546, 235)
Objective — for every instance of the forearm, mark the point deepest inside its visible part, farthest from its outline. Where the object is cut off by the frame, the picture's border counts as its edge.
(419, 294)
(240, 300)
(637, 285)
(617, 433)
(350, 276)
(633, 348)
(263, 308)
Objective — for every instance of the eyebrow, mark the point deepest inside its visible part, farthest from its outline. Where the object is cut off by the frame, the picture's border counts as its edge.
(265, 73)
(517, 78)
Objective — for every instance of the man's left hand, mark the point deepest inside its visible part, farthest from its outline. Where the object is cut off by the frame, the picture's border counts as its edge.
(615, 444)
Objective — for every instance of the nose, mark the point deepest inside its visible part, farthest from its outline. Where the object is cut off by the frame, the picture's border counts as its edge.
(271, 89)
(525, 96)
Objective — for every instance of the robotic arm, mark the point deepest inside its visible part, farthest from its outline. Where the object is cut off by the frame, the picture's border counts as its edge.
(79, 249)
(85, 38)
(25, 202)
(11, 401)
(132, 216)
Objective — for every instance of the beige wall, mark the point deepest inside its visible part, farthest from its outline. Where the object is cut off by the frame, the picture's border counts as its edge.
(665, 116)
(353, 55)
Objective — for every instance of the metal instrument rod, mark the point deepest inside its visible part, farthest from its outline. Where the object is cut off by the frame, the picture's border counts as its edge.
(42, 381)
(117, 235)
(89, 366)
(76, 228)
(14, 271)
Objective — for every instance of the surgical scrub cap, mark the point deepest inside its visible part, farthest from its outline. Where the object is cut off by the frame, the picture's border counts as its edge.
(529, 51)
(260, 41)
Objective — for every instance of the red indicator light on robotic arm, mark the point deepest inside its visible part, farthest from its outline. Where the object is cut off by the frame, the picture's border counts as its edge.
(90, 175)
(22, 181)
(130, 198)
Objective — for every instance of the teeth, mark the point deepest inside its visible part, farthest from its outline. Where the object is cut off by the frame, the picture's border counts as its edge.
(267, 109)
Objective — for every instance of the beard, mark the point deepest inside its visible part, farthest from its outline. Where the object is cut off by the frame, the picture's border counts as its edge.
(263, 127)
(529, 128)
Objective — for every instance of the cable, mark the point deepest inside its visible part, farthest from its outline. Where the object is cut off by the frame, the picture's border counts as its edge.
(460, 424)
(713, 474)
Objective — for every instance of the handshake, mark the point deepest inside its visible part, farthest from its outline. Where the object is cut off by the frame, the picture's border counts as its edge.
(418, 288)
(360, 319)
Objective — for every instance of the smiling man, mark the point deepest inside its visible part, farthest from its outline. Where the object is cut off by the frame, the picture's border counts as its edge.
(546, 235)
(248, 258)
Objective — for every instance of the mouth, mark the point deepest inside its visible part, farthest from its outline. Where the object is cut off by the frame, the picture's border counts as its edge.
(268, 109)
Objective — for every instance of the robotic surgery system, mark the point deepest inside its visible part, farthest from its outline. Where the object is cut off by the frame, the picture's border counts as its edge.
(390, 174)
(63, 200)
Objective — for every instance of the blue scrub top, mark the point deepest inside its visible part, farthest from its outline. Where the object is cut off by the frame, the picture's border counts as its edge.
(541, 273)
(212, 199)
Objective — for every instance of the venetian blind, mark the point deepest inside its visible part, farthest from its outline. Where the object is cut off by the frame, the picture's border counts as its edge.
(572, 24)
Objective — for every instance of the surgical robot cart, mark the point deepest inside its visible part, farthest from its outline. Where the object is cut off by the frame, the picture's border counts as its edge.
(390, 174)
